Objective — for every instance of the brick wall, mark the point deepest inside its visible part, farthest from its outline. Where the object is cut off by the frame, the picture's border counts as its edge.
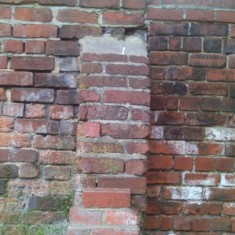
(75, 115)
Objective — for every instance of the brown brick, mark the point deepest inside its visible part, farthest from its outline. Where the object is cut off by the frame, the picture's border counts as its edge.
(163, 178)
(122, 18)
(168, 58)
(225, 16)
(58, 2)
(79, 31)
(67, 97)
(62, 48)
(34, 47)
(192, 44)
(101, 166)
(164, 14)
(57, 172)
(99, 4)
(34, 31)
(3, 62)
(76, 16)
(16, 79)
(199, 15)
(33, 14)
(208, 60)
(32, 63)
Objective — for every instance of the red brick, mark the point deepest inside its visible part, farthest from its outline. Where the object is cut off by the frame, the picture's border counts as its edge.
(177, 88)
(127, 69)
(5, 12)
(168, 58)
(199, 15)
(117, 96)
(204, 208)
(19, 155)
(208, 60)
(13, 109)
(205, 148)
(223, 75)
(164, 14)
(36, 126)
(124, 131)
(3, 62)
(54, 142)
(106, 198)
(5, 30)
(140, 115)
(32, 95)
(168, 118)
(157, 73)
(89, 96)
(225, 16)
(13, 46)
(89, 129)
(124, 217)
(163, 207)
(58, 112)
(231, 61)
(101, 165)
(201, 224)
(79, 31)
(134, 4)
(58, 2)
(158, 102)
(184, 163)
(182, 223)
(176, 29)
(35, 110)
(141, 148)
(99, 4)
(34, 31)
(201, 179)
(6, 124)
(91, 68)
(163, 178)
(62, 48)
(57, 157)
(85, 216)
(192, 44)
(167, 147)
(16, 79)
(153, 191)
(100, 147)
(220, 194)
(2, 94)
(175, 44)
(152, 222)
(33, 14)
(136, 167)
(32, 63)
(200, 88)
(160, 162)
(104, 112)
(137, 185)
(123, 18)
(229, 209)
(190, 103)
(77, 16)
(204, 164)
(34, 47)
(224, 164)
(207, 29)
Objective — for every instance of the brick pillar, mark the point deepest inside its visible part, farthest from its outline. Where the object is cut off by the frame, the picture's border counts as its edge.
(112, 132)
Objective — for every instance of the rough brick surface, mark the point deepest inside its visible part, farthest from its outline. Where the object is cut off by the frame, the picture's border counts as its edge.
(76, 114)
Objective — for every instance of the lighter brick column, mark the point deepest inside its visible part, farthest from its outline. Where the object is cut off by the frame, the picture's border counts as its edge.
(112, 133)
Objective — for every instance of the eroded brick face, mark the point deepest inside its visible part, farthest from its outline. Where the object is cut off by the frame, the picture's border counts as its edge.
(90, 89)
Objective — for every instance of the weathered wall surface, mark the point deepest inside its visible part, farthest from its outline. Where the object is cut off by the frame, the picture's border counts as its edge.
(75, 115)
